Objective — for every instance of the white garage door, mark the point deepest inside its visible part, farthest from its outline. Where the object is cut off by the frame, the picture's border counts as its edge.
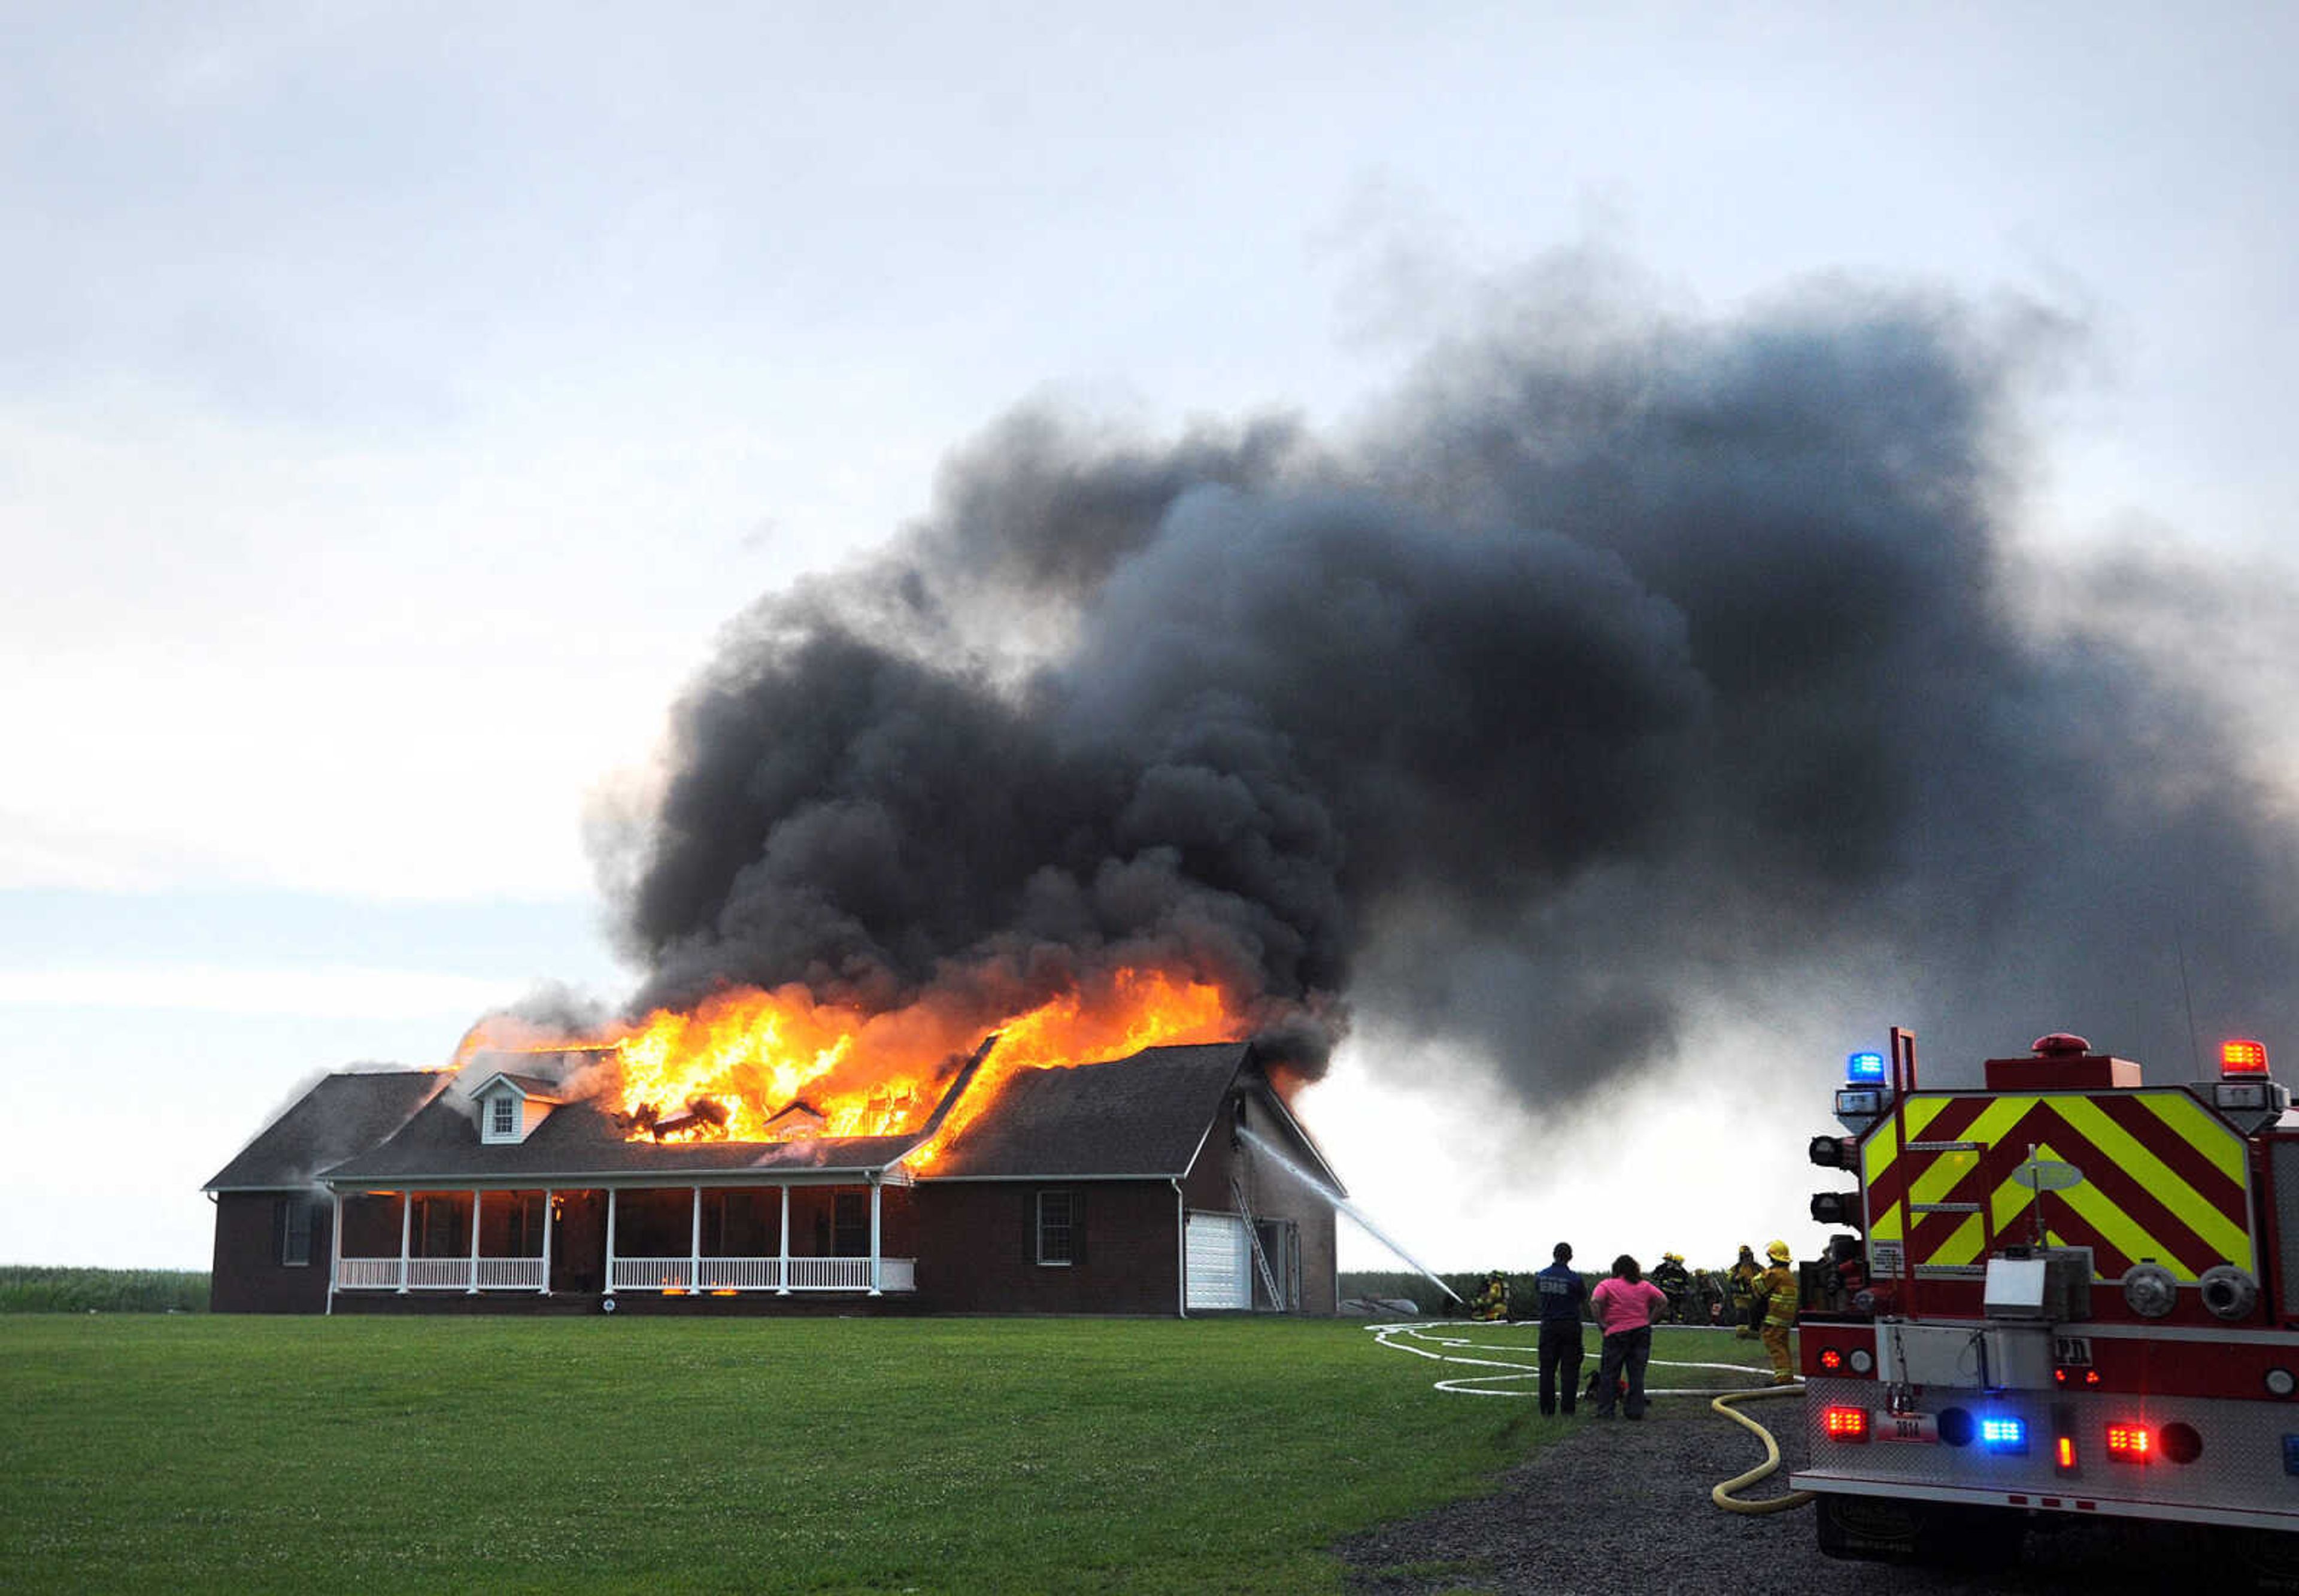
(1219, 1264)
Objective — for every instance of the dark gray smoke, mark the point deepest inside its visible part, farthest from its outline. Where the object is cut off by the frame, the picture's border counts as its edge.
(1614, 665)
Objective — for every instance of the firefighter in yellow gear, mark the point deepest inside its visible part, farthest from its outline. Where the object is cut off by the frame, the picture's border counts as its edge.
(1775, 1295)
(1742, 1298)
(1492, 1303)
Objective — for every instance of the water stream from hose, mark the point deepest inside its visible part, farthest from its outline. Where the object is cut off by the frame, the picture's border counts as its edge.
(1344, 1205)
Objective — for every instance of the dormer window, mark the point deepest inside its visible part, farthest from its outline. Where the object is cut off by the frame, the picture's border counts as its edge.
(510, 1107)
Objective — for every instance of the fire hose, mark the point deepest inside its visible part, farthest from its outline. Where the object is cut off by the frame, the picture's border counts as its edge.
(1722, 1494)
(1402, 1337)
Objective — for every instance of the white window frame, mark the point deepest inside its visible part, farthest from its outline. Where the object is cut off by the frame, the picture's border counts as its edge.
(1067, 1227)
(502, 1118)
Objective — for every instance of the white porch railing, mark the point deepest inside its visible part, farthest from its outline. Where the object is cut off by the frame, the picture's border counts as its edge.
(759, 1275)
(830, 1274)
(440, 1274)
(359, 1274)
(742, 1273)
(510, 1274)
(652, 1275)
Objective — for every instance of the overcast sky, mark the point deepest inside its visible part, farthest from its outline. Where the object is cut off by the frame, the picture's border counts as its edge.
(396, 401)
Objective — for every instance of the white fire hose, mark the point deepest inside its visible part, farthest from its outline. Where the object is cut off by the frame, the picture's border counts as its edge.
(1426, 1338)
(1445, 1334)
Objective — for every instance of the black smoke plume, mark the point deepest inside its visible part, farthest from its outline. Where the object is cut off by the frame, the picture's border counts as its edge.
(1617, 665)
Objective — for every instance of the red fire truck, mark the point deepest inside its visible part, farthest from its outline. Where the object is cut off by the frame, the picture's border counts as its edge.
(2078, 1294)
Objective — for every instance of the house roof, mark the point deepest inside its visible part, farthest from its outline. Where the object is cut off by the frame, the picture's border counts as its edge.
(579, 1139)
(1143, 1116)
(344, 1114)
(526, 1086)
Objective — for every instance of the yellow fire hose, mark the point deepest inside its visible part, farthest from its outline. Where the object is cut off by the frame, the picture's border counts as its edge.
(1722, 1494)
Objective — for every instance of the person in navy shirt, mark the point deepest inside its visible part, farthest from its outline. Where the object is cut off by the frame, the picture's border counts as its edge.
(1562, 1296)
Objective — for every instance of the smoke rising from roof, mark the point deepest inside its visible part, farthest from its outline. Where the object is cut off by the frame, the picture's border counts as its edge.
(1615, 663)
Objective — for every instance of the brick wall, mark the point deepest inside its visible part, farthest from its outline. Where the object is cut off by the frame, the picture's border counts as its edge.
(248, 1277)
(976, 1248)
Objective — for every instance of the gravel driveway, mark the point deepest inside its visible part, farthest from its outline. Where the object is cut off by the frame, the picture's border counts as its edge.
(1617, 1506)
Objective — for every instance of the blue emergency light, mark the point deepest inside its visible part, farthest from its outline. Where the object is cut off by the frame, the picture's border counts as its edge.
(1864, 1066)
(2003, 1434)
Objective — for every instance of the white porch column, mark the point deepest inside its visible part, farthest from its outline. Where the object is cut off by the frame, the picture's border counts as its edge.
(610, 1241)
(473, 1289)
(545, 1287)
(694, 1248)
(875, 1189)
(406, 1230)
(783, 1275)
(335, 1246)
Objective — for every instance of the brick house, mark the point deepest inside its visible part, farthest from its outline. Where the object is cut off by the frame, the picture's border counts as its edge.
(1142, 1185)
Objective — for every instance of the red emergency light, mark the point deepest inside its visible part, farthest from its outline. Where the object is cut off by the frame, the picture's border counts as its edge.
(1844, 1424)
(2064, 1455)
(2243, 1058)
(2130, 1442)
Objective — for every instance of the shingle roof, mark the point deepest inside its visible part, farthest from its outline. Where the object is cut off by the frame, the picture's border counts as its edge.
(529, 1085)
(579, 1139)
(1142, 1117)
(1146, 1115)
(346, 1113)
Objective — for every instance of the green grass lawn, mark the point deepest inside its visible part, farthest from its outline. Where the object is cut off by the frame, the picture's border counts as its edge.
(936, 1455)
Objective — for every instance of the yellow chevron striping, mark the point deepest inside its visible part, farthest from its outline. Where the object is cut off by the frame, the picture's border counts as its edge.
(2139, 1161)
(2203, 1130)
(1885, 1227)
(1935, 1183)
(1879, 1151)
(1962, 1244)
(2115, 1226)
(1942, 1174)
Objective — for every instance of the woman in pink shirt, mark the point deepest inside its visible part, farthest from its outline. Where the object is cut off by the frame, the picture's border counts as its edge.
(1626, 1305)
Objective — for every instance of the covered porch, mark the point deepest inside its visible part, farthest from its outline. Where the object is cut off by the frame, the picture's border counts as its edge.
(719, 1239)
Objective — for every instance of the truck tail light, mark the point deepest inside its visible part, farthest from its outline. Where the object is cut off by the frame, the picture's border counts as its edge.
(2064, 1454)
(2129, 1442)
(1844, 1424)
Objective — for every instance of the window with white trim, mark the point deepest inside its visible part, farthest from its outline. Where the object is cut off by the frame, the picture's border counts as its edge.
(503, 1116)
(1057, 1228)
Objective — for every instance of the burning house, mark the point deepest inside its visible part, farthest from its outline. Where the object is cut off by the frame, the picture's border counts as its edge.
(1126, 1186)
(1624, 672)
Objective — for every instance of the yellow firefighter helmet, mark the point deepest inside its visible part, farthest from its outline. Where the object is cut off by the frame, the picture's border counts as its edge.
(1778, 1252)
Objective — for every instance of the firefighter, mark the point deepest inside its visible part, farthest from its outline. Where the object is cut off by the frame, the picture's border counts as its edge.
(1776, 1298)
(1708, 1295)
(1492, 1303)
(1563, 1296)
(1743, 1293)
(1669, 1275)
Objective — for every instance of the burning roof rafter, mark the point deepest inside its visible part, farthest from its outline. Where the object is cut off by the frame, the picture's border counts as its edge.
(749, 1065)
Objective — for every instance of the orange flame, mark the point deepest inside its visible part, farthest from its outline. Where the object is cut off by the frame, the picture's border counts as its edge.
(755, 1066)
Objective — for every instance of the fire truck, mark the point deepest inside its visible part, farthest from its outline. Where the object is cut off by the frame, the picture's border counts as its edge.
(2078, 1294)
